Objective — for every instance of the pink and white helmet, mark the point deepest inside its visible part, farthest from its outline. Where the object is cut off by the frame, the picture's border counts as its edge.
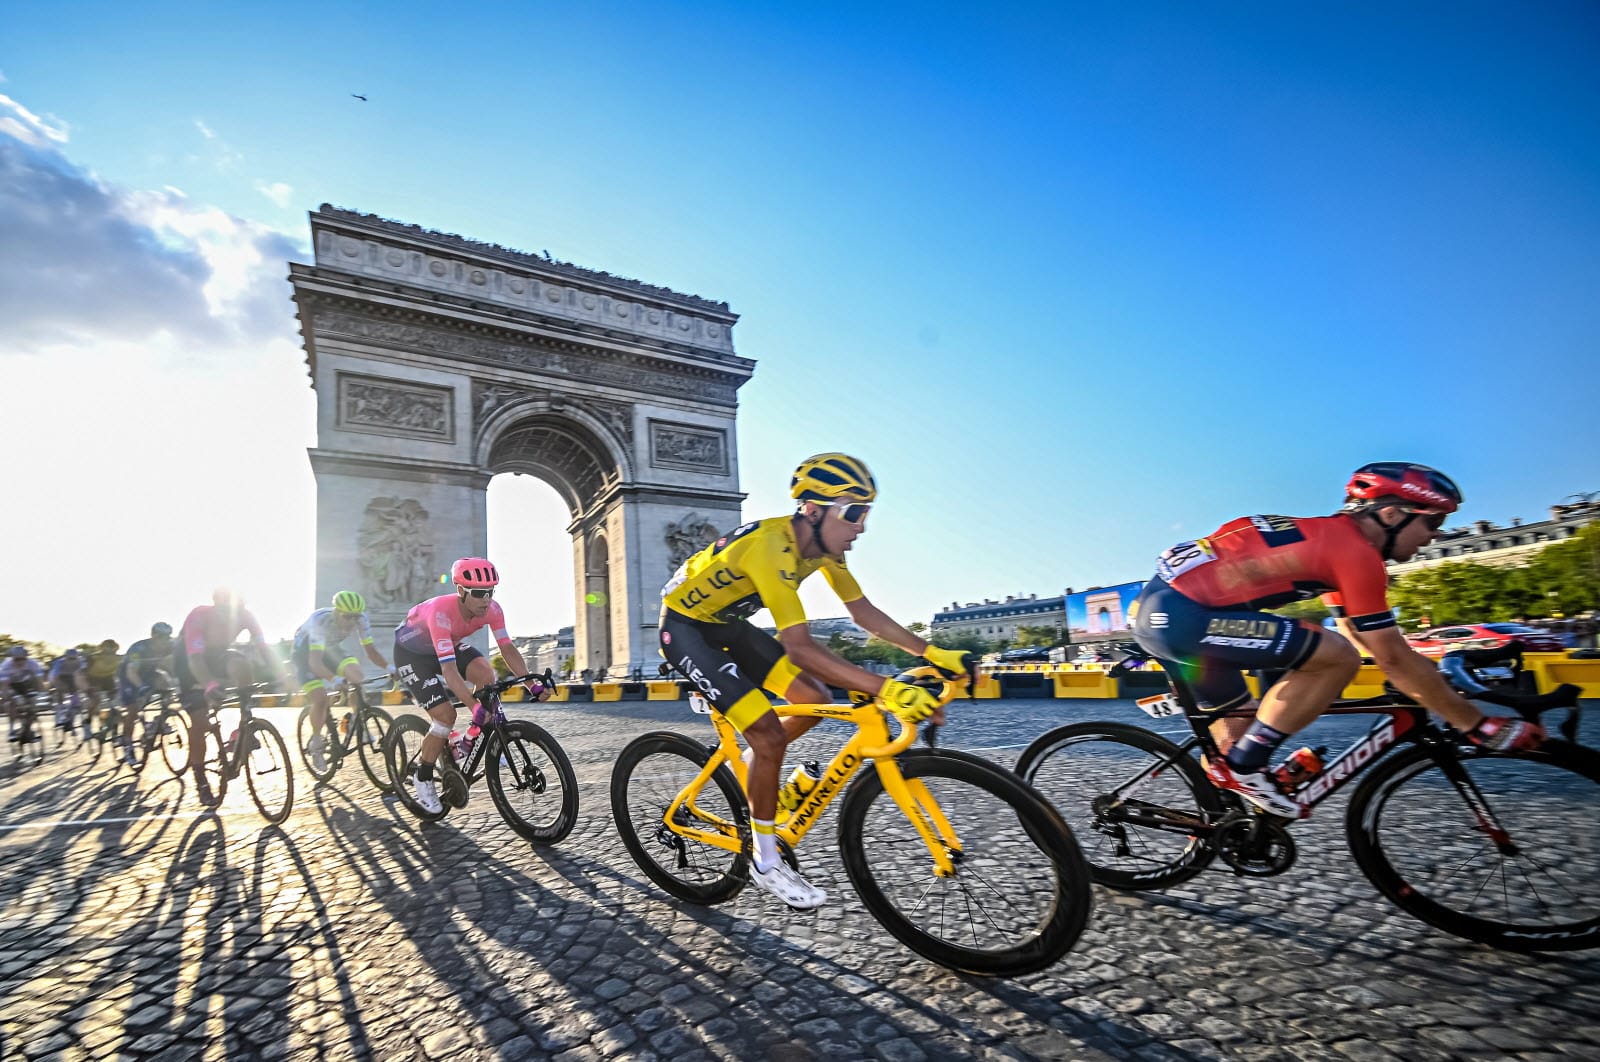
(474, 573)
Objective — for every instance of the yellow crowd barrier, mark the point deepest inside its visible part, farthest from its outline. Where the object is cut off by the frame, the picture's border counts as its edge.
(607, 691)
(663, 691)
(1092, 685)
(1552, 669)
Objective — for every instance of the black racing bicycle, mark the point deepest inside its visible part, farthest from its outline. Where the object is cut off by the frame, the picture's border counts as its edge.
(527, 772)
(106, 730)
(255, 749)
(353, 726)
(1498, 847)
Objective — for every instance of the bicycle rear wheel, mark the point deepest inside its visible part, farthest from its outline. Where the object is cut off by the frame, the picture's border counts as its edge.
(1132, 798)
(531, 782)
(373, 725)
(1021, 892)
(1418, 836)
(267, 770)
(402, 750)
(31, 750)
(304, 732)
(648, 776)
(171, 737)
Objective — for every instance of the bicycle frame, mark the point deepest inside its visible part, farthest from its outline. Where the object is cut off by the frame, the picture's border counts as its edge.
(870, 741)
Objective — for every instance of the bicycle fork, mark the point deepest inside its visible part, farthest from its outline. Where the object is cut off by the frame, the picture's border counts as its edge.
(911, 796)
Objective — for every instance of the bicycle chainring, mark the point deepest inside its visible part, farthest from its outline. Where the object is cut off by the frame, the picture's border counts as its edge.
(1253, 845)
(452, 785)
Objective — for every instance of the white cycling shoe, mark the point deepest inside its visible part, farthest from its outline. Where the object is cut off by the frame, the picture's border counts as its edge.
(788, 886)
(427, 794)
(1260, 788)
(317, 753)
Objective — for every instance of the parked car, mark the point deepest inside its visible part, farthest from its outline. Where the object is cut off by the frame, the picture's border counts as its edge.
(1441, 640)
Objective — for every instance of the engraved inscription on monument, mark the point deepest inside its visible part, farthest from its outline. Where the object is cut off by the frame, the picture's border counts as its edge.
(385, 407)
(687, 447)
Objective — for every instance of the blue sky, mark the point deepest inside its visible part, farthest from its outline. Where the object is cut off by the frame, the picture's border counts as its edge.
(1076, 280)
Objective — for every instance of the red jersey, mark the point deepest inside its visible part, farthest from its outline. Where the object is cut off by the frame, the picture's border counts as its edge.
(1261, 562)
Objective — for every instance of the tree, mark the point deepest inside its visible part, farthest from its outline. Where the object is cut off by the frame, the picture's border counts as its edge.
(966, 641)
(1041, 637)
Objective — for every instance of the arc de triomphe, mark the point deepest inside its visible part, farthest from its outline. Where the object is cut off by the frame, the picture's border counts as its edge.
(439, 361)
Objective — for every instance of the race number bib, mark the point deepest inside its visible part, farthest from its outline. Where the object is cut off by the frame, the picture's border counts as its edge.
(1160, 706)
(1184, 557)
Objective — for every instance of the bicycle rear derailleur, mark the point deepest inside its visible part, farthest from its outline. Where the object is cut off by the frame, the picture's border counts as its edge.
(1256, 846)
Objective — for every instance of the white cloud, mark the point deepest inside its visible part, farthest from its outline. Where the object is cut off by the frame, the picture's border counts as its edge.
(32, 129)
(278, 192)
(205, 130)
(82, 260)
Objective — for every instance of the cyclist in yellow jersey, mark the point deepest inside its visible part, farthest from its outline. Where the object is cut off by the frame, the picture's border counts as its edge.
(706, 635)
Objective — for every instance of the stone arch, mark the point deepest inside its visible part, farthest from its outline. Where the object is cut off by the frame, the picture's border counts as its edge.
(439, 361)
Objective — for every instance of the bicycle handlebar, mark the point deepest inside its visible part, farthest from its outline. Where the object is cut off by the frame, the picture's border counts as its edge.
(546, 681)
(898, 744)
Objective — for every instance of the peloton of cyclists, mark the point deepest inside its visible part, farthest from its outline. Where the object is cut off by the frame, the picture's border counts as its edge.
(205, 662)
(317, 663)
(434, 660)
(706, 635)
(146, 667)
(1201, 616)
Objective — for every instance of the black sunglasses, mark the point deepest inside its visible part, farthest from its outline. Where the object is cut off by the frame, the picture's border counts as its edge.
(853, 513)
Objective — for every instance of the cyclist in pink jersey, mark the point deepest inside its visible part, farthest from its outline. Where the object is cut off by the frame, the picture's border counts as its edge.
(206, 662)
(434, 659)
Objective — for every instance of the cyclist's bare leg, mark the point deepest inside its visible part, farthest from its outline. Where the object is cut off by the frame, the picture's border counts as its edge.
(352, 673)
(1295, 700)
(317, 699)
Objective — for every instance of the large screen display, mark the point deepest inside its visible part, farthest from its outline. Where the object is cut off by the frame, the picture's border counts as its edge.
(1101, 615)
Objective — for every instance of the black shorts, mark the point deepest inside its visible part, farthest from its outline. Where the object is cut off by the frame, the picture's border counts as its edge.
(422, 677)
(1209, 649)
(216, 663)
(103, 683)
(725, 661)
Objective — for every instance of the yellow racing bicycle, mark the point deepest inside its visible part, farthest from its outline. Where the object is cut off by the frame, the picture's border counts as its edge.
(959, 859)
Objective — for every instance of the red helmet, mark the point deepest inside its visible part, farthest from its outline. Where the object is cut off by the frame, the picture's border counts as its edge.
(1414, 488)
(474, 573)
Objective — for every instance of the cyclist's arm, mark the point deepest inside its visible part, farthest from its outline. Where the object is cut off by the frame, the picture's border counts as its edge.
(818, 662)
(1418, 677)
(368, 644)
(871, 618)
(513, 658)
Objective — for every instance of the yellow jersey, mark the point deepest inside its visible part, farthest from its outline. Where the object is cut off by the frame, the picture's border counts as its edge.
(752, 567)
(102, 665)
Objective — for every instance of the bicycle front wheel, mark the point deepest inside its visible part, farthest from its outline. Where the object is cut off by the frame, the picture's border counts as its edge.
(531, 782)
(374, 724)
(171, 736)
(1506, 854)
(647, 778)
(1020, 894)
(267, 770)
(1134, 800)
(101, 735)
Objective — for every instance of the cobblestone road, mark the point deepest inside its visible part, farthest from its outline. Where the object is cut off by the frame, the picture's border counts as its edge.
(131, 925)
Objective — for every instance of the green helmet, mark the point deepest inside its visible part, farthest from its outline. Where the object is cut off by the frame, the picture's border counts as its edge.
(349, 601)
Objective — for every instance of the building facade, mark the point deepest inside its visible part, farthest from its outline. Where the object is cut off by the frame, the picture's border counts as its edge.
(999, 620)
(1487, 543)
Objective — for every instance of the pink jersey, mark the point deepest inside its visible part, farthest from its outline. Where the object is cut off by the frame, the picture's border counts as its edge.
(208, 627)
(438, 626)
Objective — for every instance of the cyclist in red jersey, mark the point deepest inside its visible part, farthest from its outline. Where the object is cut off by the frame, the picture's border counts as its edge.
(1202, 617)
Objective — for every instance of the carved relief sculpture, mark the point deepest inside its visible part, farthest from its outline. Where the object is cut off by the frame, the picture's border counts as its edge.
(687, 447)
(395, 554)
(373, 405)
(687, 537)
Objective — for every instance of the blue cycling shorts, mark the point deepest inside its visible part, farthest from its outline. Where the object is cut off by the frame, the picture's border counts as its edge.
(1209, 649)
